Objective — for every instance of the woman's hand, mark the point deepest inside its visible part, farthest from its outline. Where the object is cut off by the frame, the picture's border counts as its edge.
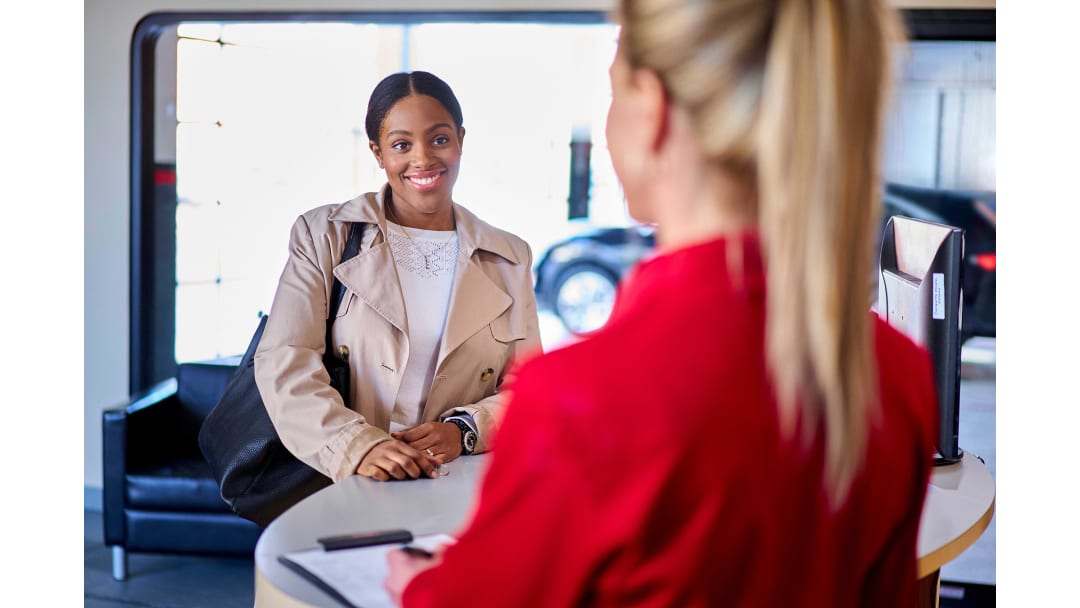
(397, 460)
(439, 439)
(405, 566)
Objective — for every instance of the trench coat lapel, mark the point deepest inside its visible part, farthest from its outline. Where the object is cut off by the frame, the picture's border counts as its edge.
(475, 299)
(372, 276)
(474, 303)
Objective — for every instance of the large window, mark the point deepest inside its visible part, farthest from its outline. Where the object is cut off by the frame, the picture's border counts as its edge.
(242, 122)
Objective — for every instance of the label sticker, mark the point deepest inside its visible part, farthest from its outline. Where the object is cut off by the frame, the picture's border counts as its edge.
(939, 295)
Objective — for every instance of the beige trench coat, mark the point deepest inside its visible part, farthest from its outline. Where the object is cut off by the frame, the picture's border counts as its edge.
(491, 323)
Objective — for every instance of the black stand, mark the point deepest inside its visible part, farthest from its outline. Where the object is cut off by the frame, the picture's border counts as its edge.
(941, 461)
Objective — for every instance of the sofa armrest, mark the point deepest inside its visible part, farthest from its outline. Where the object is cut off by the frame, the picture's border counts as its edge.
(119, 440)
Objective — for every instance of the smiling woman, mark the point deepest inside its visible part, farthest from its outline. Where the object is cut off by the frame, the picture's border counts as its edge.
(414, 128)
(437, 306)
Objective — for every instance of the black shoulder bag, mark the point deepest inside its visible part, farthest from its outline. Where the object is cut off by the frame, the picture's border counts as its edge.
(259, 478)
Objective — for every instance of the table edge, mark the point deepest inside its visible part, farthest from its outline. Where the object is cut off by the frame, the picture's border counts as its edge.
(933, 561)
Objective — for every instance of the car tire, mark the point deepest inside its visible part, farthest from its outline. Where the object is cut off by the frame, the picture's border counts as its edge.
(583, 297)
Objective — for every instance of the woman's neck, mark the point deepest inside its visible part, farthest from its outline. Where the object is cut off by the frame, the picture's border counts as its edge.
(442, 219)
(692, 199)
(702, 205)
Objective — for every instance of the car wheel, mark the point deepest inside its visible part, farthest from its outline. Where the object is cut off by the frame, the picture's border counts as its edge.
(584, 297)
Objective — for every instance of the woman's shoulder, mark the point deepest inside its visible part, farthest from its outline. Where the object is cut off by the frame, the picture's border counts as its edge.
(331, 218)
(363, 208)
(318, 215)
(318, 229)
(483, 235)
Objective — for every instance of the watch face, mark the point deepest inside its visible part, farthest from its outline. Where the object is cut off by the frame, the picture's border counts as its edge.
(470, 441)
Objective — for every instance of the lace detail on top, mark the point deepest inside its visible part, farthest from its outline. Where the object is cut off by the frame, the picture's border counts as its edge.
(423, 255)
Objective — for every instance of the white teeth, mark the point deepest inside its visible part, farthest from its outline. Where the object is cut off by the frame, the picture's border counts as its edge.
(424, 181)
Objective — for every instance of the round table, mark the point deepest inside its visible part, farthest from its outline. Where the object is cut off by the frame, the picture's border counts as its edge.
(359, 504)
(959, 506)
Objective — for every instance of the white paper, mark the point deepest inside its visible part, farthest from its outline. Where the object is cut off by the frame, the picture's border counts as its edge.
(358, 574)
(939, 295)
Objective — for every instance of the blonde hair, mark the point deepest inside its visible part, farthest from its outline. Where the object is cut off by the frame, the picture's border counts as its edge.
(793, 91)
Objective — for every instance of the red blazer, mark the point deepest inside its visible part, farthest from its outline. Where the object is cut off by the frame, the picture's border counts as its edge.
(644, 466)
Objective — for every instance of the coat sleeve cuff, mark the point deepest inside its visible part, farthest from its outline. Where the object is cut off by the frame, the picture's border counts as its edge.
(343, 455)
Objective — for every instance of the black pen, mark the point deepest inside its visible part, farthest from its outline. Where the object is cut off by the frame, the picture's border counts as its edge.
(417, 552)
(365, 539)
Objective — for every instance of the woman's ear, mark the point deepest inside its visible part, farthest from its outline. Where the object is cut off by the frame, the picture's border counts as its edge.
(377, 152)
(461, 136)
(654, 107)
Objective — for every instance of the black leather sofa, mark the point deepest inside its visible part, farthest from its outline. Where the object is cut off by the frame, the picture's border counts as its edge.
(159, 495)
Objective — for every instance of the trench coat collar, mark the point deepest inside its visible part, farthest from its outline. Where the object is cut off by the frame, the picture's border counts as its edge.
(473, 233)
(475, 301)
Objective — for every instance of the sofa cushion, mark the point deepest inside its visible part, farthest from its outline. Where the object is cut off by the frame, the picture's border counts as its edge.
(183, 484)
(201, 533)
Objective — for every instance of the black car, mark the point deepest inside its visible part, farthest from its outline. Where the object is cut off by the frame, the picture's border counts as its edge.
(576, 277)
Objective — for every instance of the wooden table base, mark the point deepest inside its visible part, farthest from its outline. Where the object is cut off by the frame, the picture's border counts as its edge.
(929, 589)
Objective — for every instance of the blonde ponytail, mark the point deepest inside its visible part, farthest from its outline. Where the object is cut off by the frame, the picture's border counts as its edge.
(795, 88)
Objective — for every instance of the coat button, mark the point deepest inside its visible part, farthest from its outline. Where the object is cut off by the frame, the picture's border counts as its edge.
(487, 374)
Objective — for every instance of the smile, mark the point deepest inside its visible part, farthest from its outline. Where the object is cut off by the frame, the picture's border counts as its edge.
(425, 181)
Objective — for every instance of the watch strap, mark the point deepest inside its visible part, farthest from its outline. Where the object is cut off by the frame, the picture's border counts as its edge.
(465, 430)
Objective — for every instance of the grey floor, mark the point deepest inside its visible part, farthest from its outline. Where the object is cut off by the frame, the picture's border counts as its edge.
(163, 581)
(167, 581)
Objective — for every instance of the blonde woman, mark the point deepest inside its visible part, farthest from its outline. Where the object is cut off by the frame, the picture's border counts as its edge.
(742, 432)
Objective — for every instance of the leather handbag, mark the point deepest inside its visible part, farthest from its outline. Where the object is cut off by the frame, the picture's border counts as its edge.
(258, 476)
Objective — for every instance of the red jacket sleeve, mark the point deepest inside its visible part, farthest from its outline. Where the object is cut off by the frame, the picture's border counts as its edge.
(521, 523)
(891, 580)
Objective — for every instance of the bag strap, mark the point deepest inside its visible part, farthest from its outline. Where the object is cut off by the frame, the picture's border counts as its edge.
(337, 292)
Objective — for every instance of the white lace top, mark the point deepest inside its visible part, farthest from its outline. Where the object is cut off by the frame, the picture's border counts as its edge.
(425, 260)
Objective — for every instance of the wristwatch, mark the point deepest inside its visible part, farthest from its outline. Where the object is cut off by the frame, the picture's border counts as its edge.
(468, 436)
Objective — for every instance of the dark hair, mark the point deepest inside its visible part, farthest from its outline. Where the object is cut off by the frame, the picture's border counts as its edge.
(397, 86)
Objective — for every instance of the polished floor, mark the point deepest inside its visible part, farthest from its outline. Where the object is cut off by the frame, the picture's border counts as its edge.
(163, 581)
(168, 581)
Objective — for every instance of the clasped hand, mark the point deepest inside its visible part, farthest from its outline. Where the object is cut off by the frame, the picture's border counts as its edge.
(413, 452)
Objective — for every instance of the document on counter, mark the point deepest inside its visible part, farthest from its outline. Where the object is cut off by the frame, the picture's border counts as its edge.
(354, 577)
